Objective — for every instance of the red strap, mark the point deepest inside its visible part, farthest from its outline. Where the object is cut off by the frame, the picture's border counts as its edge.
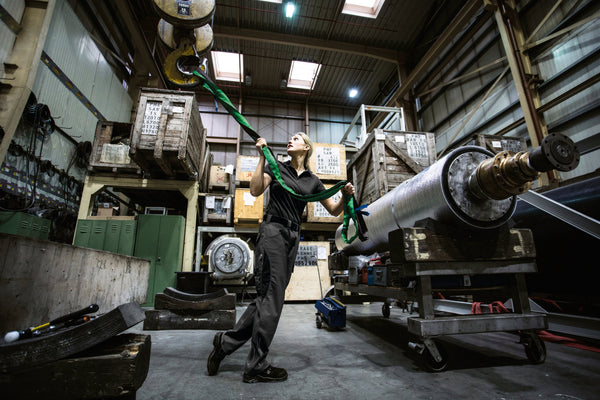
(476, 308)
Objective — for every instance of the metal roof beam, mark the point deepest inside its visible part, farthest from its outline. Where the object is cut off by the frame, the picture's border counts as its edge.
(313, 43)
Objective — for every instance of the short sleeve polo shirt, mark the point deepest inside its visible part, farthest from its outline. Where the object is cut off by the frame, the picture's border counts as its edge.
(281, 203)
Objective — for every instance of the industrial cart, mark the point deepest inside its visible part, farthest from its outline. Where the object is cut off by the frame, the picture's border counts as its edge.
(421, 255)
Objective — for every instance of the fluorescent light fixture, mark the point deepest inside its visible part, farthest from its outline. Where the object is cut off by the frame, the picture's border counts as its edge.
(290, 9)
(227, 66)
(303, 75)
(352, 93)
(363, 8)
(273, 1)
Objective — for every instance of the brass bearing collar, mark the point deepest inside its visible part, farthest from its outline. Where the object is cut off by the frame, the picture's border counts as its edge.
(505, 175)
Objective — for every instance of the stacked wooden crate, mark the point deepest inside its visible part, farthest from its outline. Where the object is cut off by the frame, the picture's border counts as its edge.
(168, 138)
(388, 158)
(328, 162)
(249, 210)
(218, 201)
(497, 144)
(110, 151)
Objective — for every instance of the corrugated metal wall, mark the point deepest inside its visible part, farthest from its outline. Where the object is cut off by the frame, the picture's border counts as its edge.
(276, 121)
(69, 46)
(456, 111)
(7, 37)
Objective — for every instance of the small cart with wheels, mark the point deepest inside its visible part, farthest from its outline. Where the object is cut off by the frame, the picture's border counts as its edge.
(331, 311)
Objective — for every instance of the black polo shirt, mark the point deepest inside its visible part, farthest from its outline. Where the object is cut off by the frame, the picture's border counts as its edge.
(283, 204)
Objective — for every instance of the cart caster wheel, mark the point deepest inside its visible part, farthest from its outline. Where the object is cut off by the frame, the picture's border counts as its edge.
(431, 363)
(385, 310)
(319, 322)
(535, 348)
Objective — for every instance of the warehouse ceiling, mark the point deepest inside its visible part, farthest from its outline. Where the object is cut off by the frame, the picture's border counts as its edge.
(354, 52)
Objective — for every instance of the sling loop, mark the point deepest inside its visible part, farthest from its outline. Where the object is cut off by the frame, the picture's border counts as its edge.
(349, 210)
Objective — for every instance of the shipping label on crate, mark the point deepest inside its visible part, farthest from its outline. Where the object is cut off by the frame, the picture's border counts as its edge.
(320, 211)
(308, 256)
(151, 118)
(416, 146)
(115, 154)
(328, 160)
(248, 164)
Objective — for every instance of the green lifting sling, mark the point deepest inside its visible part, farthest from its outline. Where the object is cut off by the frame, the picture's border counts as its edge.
(349, 208)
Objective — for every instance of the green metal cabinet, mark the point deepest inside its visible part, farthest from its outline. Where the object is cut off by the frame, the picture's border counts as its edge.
(90, 233)
(159, 238)
(116, 236)
(120, 237)
(22, 224)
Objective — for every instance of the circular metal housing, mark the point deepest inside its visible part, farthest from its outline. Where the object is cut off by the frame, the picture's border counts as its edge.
(229, 257)
(441, 192)
(186, 14)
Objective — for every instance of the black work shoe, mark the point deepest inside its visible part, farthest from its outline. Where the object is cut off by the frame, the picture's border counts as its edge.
(270, 374)
(216, 355)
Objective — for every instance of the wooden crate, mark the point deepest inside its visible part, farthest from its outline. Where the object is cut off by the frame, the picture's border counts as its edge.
(317, 213)
(219, 179)
(168, 138)
(248, 210)
(110, 151)
(246, 165)
(311, 273)
(387, 159)
(328, 161)
(497, 144)
(217, 209)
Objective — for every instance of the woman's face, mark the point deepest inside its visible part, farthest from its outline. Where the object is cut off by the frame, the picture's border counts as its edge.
(296, 144)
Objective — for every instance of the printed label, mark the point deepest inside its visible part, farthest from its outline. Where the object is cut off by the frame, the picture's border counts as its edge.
(307, 256)
(328, 160)
(151, 118)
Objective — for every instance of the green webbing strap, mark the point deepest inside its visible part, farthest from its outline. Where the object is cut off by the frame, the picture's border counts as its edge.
(349, 211)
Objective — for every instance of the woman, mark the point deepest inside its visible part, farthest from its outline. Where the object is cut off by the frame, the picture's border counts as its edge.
(275, 253)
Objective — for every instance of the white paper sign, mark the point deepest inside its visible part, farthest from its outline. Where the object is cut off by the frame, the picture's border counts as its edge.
(227, 202)
(151, 118)
(210, 202)
(416, 146)
(328, 160)
(248, 199)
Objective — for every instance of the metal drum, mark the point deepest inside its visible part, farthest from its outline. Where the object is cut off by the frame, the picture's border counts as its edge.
(441, 192)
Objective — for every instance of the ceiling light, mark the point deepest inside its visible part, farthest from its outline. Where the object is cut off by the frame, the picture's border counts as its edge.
(290, 9)
(352, 93)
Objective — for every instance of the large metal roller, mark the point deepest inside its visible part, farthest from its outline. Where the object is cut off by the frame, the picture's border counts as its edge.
(469, 187)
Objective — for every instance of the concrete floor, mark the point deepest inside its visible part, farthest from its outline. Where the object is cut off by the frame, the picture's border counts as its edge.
(369, 359)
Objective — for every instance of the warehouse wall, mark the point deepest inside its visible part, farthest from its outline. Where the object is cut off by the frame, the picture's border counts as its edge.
(457, 111)
(70, 47)
(274, 120)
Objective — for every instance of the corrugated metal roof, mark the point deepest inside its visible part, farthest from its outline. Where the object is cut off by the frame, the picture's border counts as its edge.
(354, 51)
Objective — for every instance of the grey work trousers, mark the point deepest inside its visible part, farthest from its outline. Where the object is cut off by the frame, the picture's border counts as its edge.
(275, 254)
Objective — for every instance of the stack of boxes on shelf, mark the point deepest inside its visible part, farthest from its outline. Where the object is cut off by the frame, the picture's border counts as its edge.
(228, 201)
(248, 211)
(218, 202)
